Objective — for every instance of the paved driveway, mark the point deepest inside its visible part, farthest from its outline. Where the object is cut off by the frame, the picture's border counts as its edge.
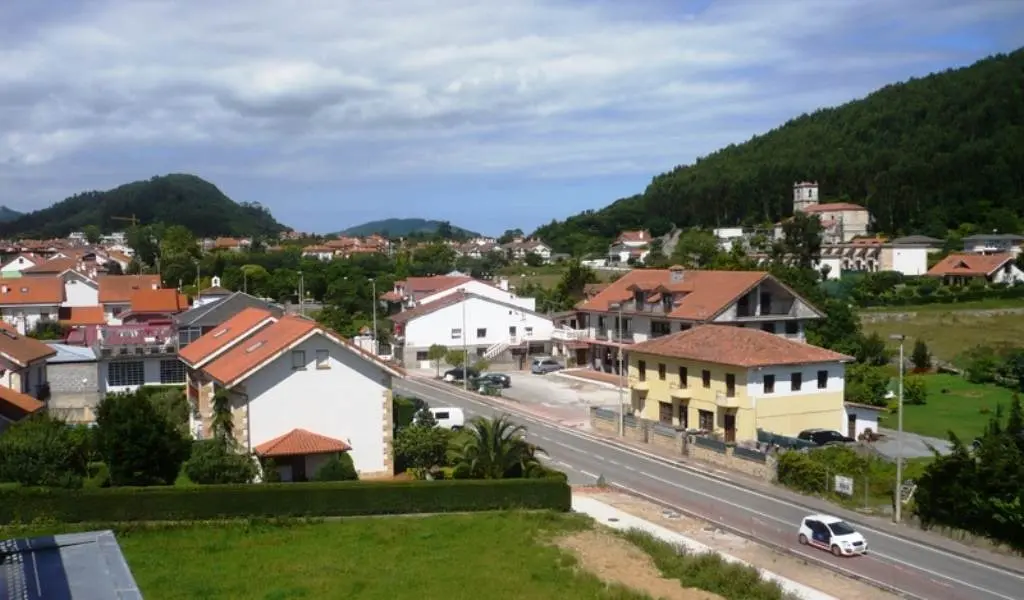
(914, 445)
(559, 391)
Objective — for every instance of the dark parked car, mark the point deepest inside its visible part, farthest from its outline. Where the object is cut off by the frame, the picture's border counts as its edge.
(497, 379)
(459, 373)
(822, 437)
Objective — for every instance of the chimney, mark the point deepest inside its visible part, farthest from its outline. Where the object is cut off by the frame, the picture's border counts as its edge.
(676, 274)
(156, 286)
(5, 289)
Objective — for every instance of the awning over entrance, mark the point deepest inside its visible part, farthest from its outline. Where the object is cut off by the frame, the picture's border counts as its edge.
(299, 442)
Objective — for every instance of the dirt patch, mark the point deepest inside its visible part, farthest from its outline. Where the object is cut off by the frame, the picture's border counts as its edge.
(615, 561)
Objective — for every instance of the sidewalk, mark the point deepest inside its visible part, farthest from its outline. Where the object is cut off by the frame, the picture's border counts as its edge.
(610, 516)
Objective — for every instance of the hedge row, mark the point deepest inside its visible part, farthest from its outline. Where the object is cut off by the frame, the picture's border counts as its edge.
(280, 500)
(944, 295)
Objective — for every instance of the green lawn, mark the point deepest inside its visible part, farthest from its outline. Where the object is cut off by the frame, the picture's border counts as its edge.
(995, 303)
(948, 333)
(546, 276)
(954, 404)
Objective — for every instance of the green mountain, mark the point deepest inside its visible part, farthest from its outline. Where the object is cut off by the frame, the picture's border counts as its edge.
(176, 199)
(405, 227)
(7, 214)
(924, 156)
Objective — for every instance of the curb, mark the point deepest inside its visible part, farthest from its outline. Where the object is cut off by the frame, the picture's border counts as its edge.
(571, 377)
(856, 519)
(771, 545)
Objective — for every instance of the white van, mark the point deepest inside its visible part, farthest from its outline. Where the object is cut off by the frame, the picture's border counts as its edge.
(449, 418)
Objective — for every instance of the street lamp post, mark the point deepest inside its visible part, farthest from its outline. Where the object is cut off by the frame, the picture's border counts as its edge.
(465, 350)
(622, 402)
(899, 435)
(302, 294)
(376, 346)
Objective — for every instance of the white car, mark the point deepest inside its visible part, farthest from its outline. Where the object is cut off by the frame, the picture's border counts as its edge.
(832, 534)
(449, 418)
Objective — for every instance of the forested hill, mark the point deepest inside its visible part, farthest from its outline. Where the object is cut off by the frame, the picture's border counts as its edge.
(405, 227)
(924, 156)
(176, 199)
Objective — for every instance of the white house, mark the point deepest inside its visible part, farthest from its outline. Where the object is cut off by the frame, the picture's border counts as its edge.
(633, 245)
(993, 243)
(861, 418)
(131, 356)
(908, 256)
(20, 263)
(519, 249)
(415, 291)
(298, 393)
(487, 328)
(25, 301)
(960, 269)
(79, 289)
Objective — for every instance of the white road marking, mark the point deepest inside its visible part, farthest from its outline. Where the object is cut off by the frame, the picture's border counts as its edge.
(589, 474)
(667, 463)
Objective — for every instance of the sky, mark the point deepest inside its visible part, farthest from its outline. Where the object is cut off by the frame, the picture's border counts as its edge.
(492, 115)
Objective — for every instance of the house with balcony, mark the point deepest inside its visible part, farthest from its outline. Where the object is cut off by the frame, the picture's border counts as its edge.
(485, 327)
(650, 303)
(731, 381)
(299, 393)
(24, 382)
(962, 269)
(415, 291)
(132, 355)
(630, 247)
(993, 243)
(27, 301)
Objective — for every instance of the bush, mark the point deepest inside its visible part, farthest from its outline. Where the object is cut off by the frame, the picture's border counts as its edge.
(98, 476)
(139, 445)
(337, 468)
(921, 357)
(915, 391)
(280, 500)
(42, 450)
(213, 462)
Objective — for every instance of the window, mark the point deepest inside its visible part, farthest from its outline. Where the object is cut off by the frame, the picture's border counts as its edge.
(123, 373)
(220, 332)
(822, 379)
(661, 371)
(769, 384)
(323, 359)
(481, 332)
(422, 355)
(705, 377)
(706, 420)
(769, 327)
(117, 310)
(730, 385)
(792, 328)
(298, 359)
(665, 413)
(456, 334)
(600, 322)
(641, 367)
(528, 330)
(682, 377)
(795, 381)
(441, 416)
(172, 371)
(44, 316)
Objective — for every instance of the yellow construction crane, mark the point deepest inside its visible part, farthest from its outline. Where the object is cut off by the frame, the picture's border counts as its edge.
(132, 219)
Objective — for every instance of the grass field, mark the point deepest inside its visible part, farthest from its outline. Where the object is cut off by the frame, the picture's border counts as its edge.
(546, 276)
(948, 333)
(954, 404)
(994, 304)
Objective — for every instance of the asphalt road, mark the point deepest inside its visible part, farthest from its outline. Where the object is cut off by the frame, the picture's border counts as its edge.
(898, 562)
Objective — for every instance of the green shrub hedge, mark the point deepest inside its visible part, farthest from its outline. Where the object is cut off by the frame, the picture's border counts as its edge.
(350, 498)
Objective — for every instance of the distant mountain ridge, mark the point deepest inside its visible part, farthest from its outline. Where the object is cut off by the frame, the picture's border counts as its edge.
(402, 227)
(8, 214)
(174, 199)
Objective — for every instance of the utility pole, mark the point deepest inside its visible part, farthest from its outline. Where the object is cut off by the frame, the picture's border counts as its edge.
(898, 510)
(622, 402)
(465, 348)
(302, 294)
(199, 278)
(376, 346)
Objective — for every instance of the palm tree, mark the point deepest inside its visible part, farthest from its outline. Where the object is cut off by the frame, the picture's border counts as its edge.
(495, 449)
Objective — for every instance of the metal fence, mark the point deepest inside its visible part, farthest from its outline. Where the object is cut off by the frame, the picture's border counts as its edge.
(710, 444)
(749, 454)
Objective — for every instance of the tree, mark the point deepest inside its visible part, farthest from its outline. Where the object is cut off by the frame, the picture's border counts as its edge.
(113, 267)
(455, 357)
(139, 446)
(211, 462)
(915, 391)
(509, 235)
(170, 403)
(873, 351)
(436, 354)
(93, 235)
(223, 421)
(337, 468)
(42, 451)
(866, 384)
(178, 243)
(921, 357)
(532, 259)
(800, 245)
(495, 449)
(573, 282)
(422, 446)
(696, 248)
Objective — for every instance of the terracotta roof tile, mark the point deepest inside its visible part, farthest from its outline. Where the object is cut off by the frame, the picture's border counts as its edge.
(299, 442)
(704, 294)
(736, 346)
(237, 327)
(635, 236)
(81, 315)
(163, 300)
(257, 348)
(119, 289)
(833, 207)
(21, 349)
(425, 286)
(18, 404)
(52, 266)
(31, 290)
(970, 265)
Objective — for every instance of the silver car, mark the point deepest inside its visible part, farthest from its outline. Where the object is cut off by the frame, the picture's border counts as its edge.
(544, 364)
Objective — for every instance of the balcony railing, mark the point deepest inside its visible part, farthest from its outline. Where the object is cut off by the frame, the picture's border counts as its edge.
(726, 401)
(566, 334)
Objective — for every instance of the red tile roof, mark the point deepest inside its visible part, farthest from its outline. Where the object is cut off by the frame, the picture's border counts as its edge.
(736, 346)
(970, 265)
(299, 442)
(81, 315)
(21, 349)
(119, 289)
(23, 404)
(52, 266)
(31, 290)
(834, 207)
(237, 327)
(163, 300)
(264, 345)
(702, 294)
(425, 286)
(425, 309)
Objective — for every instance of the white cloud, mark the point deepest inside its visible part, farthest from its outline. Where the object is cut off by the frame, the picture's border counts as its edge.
(342, 89)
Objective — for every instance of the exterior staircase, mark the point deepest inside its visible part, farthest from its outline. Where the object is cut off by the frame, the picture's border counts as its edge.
(499, 347)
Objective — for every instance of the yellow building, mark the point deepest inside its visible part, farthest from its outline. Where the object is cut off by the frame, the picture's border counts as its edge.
(735, 380)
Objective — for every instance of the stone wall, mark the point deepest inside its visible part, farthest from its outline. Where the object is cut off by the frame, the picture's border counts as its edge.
(762, 470)
(74, 391)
